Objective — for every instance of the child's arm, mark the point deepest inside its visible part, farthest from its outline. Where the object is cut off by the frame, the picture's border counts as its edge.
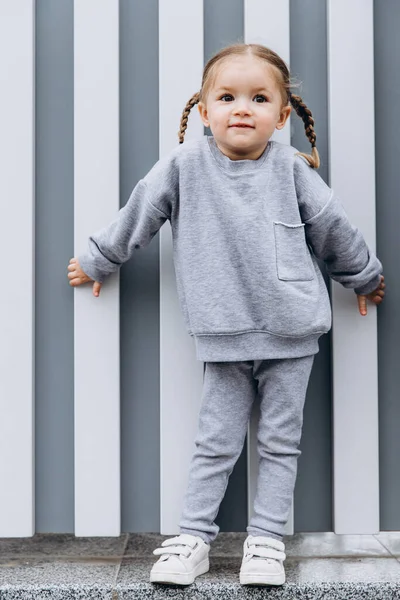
(332, 237)
(133, 228)
(147, 209)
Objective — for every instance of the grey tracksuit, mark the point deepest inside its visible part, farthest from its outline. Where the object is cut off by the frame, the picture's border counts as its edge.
(246, 235)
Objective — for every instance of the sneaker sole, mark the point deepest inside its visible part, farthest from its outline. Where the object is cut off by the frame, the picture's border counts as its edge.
(262, 579)
(181, 578)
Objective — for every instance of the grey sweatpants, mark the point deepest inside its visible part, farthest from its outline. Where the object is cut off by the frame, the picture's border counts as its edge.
(229, 389)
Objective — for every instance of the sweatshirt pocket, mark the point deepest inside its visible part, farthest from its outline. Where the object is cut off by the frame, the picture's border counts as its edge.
(293, 260)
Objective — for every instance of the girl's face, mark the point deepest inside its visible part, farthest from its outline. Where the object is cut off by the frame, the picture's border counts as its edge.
(243, 107)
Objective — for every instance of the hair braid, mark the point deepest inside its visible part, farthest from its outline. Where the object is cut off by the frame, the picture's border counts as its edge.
(306, 115)
(184, 119)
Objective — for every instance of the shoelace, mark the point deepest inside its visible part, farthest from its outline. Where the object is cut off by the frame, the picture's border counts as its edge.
(181, 545)
(259, 547)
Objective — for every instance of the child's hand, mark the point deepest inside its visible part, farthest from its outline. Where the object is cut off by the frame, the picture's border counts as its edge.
(76, 276)
(376, 297)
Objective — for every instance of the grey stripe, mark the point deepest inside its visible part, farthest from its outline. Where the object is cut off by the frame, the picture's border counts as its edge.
(223, 25)
(54, 389)
(387, 96)
(308, 63)
(140, 332)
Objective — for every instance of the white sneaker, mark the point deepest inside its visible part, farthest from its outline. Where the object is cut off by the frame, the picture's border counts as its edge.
(262, 562)
(182, 559)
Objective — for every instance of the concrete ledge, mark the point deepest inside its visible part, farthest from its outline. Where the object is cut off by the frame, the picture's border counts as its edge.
(318, 565)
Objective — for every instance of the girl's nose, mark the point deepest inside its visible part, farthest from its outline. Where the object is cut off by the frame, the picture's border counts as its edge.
(242, 107)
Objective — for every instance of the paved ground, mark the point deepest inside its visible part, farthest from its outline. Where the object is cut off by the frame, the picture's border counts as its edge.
(318, 565)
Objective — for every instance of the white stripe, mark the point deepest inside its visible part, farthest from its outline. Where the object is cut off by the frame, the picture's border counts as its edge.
(96, 162)
(266, 22)
(17, 71)
(181, 375)
(352, 168)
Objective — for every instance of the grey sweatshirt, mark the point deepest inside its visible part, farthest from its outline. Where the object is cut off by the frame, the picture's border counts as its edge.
(246, 235)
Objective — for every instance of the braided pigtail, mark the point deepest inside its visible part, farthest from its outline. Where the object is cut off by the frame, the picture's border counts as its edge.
(306, 116)
(184, 119)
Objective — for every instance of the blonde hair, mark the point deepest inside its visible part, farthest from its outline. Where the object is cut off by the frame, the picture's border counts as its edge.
(283, 80)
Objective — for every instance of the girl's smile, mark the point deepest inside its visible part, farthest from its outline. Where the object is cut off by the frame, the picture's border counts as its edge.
(242, 125)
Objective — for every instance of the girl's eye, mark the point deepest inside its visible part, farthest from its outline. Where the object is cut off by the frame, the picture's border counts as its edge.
(227, 96)
(263, 98)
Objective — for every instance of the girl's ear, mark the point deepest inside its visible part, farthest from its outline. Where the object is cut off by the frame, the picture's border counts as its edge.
(283, 117)
(203, 114)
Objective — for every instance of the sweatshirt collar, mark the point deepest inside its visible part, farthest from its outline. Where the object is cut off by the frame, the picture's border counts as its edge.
(236, 166)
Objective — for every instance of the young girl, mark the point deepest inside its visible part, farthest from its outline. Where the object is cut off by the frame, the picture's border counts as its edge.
(249, 218)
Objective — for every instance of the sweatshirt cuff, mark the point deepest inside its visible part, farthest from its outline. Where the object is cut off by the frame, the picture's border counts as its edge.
(369, 287)
(92, 268)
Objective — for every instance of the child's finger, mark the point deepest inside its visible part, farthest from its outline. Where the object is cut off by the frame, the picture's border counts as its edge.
(75, 274)
(375, 296)
(378, 294)
(362, 304)
(75, 281)
(96, 288)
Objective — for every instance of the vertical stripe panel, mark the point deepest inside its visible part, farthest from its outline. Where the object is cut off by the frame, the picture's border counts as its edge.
(308, 64)
(139, 276)
(223, 25)
(54, 327)
(96, 161)
(181, 375)
(352, 168)
(266, 22)
(387, 89)
(17, 300)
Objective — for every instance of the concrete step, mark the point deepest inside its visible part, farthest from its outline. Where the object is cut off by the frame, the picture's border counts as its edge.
(318, 565)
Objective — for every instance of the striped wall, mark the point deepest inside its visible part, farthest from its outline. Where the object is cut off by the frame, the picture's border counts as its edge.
(100, 396)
